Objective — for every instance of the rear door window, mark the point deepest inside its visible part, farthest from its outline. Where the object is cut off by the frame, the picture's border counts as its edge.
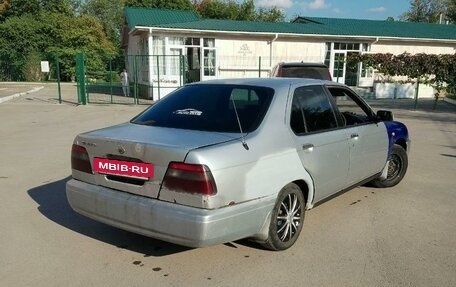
(306, 72)
(311, 110)
(210, 108)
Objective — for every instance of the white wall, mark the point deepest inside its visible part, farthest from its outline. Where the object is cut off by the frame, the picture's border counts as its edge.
(399, 47)
(239, 56)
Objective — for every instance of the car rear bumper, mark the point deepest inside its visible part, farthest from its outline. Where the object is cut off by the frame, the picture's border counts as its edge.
(167, 221)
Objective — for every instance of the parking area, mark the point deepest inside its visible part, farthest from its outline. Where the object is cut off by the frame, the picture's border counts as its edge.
(402, 236)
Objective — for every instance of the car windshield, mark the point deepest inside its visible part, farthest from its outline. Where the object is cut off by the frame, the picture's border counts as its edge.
(306, 72)
(210, 107)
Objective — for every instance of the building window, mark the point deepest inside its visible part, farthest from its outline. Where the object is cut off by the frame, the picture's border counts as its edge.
(209, 56)
(209, 42)
(192, 41)
(209, 62)
(350, 46)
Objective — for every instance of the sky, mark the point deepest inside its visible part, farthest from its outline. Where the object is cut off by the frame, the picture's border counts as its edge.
(355, 9)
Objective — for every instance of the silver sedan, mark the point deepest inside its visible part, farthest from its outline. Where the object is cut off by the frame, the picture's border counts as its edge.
(222, 160)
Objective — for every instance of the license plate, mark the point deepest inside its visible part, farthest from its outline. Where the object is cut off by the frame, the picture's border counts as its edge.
(123, 168)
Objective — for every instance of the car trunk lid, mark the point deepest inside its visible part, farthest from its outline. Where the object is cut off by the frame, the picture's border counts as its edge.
(130, 143)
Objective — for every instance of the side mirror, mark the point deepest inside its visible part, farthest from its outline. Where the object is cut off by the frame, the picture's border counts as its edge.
(385, 116)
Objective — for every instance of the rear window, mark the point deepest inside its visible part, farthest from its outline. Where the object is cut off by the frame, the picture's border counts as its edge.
(320, 73)
(210, 108)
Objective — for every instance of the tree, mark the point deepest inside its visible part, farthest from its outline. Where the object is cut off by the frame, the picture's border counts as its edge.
(219, 9)
(390, 19)
(231, 9)
(57, 6)
(11, 8)
(24, 38)
(451, 11)
(175, 4)
(425, 11)
(110, 14)
(273, 14)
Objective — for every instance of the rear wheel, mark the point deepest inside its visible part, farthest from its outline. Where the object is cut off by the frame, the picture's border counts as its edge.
(397, 167)
(286, 219)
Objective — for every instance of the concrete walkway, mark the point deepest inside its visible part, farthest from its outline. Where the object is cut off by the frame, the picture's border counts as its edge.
(40, 91)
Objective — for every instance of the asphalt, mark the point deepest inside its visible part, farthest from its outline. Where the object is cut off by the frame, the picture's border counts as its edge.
(402, 236)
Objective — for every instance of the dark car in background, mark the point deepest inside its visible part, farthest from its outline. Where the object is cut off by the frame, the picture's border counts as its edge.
(301, 70)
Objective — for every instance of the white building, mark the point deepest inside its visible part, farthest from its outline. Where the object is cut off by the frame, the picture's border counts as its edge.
(227, 48)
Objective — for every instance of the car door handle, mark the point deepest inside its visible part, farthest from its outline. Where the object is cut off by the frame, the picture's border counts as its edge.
(308, 147)
(354, 136)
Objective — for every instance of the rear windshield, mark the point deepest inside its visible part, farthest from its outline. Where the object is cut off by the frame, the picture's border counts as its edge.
(210, 108)
(320, 73)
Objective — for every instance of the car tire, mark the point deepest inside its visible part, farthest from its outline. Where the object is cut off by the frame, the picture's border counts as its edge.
(397, 168)
(287, 218)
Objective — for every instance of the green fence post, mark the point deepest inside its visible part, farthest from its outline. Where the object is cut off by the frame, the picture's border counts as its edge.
(80, 72)
(184, 75)
(135, 87)
(158, 76)
(180, 68)
(416, 93)
(259, 67)
(110, 78)
(58, 77)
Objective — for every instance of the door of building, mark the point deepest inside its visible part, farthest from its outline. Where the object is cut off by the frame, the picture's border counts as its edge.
(339, 67)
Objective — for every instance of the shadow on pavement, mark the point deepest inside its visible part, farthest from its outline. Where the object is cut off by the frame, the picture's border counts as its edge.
(53, 204)
(448, 155)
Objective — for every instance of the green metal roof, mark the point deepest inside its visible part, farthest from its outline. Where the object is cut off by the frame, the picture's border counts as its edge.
(189, 20)
(248, 26)
(153, 17)
(357, 27)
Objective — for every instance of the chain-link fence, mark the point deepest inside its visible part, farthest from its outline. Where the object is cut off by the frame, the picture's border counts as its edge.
(6, 74)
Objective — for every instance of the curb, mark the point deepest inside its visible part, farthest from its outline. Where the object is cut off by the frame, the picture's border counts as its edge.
(8, 98)
(450, 101)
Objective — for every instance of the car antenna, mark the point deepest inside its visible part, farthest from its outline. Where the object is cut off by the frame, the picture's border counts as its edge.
(244, 144)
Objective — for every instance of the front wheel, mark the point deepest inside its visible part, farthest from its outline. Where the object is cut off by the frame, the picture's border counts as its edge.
(286, 219)
(397, 168)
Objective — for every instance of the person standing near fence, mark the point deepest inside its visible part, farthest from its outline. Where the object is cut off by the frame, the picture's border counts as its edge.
(124, 80)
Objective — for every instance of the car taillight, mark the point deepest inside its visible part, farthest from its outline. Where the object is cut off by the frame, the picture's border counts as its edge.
(190, 178)
(80, 159)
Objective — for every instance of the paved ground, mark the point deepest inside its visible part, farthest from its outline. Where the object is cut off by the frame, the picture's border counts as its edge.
(403, 236)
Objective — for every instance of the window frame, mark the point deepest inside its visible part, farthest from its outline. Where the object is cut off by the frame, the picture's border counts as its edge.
(331, 104)
(356, 98)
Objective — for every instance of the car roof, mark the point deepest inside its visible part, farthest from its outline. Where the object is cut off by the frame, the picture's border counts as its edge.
(268, 82)
(303, 64)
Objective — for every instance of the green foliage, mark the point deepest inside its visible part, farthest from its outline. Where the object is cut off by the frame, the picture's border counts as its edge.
(436, 70)
(109, 13)
(273, 14)
(32, 68)
(231, 9)
(228, 9)
(57, 6)
(175, 4)
(425, 11)
(451, 11)
(52, 34)
(14, 8)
